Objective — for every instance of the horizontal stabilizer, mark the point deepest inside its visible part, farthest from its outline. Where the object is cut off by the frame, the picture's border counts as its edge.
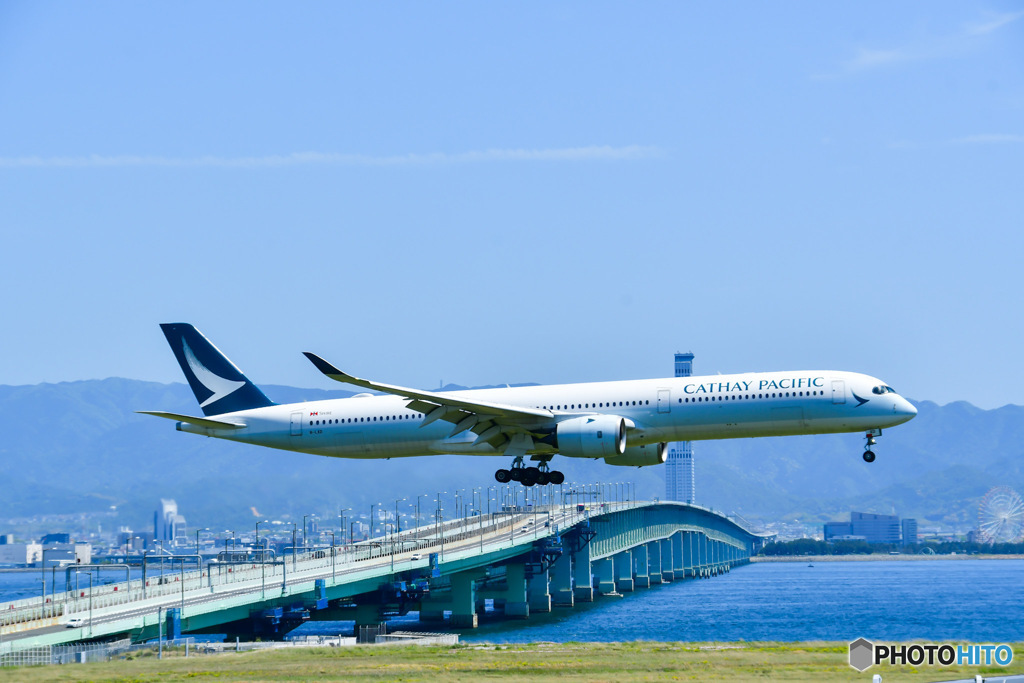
(198, 421)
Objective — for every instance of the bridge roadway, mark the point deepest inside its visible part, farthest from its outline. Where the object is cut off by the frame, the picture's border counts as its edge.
(524, 559)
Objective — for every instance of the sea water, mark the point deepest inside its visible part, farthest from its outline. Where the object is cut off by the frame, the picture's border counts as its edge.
(972, 600)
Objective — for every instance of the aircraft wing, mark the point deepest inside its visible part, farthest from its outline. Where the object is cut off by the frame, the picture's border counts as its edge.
(494, 423)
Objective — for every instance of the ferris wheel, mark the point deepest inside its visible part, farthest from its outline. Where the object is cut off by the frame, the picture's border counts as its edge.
(1001, 516)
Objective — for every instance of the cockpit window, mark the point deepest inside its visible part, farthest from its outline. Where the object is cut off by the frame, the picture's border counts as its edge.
(882, 389)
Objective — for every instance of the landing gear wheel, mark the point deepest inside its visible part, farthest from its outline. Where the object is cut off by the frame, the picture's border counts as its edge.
(516, 474)
(543, 478)
(502, 476)
(530, 476)
(869, 456)
(556, 477)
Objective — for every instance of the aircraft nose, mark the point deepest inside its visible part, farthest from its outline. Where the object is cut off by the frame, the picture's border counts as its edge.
(904, 409)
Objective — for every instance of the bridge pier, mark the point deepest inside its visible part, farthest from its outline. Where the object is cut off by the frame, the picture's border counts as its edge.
(654, 563)
(667, 573)
(678, 565)
(583, 582)
(641, 575)
(604, 571)
(623, 567)
(464, 600)
(561, 581)
(538, 597)
(516, 604)
(369, 615)
(689, 563)
(461, 601)
(702, 554)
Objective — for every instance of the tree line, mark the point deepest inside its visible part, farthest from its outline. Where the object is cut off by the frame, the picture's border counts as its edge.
(809, 546)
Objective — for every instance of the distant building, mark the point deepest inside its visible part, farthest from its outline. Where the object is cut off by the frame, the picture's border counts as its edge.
(909, 531)
(56, 538)
(60, 554)
(6, 539)
(872, 528)
(679, 476)
(168, 525)
(21, 554)
(835, 531)
(134, 541)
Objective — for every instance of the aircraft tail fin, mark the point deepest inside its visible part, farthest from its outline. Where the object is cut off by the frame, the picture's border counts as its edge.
(219, 386)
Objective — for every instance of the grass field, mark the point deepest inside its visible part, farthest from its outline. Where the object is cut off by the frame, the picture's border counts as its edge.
(590, 662)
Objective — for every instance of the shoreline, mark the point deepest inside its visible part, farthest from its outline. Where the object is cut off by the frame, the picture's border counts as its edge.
(878, 558)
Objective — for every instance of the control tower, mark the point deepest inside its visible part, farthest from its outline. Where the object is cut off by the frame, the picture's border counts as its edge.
(679, 483)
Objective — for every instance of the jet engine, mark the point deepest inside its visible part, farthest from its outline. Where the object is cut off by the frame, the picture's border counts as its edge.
(592, 436)
(640, 456)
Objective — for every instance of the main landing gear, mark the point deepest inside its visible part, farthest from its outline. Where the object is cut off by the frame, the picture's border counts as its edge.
(869, 455)
(528, 476)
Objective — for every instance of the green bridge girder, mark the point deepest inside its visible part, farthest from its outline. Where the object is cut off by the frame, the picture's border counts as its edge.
(620, 530)
(651, 542)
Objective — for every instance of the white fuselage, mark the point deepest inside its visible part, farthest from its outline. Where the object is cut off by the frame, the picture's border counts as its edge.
(660, 410)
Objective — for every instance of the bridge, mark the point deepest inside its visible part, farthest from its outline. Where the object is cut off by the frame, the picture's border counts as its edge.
(524, 559)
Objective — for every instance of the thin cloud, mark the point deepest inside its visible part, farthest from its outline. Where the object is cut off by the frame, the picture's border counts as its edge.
(592, 153)
(990, 139)
(980, 139)
(936, 47)
(994, 24)
(872, 59)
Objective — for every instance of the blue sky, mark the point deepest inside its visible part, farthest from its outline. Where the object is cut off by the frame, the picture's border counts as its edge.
(491, 192)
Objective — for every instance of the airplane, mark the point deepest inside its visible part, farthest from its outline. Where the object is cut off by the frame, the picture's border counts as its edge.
(625, 423)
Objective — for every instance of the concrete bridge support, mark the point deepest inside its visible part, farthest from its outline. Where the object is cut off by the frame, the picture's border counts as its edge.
(516, 604)
(641, 573)
(678, 568)
(561, 581)
(460, 600)
(537, 593)
(623, 566)
(464, 600)
(369, 615)
(687, 553)
(702, 554)
(604, 571)
(583, 582)
(654, 562)
(667, 567)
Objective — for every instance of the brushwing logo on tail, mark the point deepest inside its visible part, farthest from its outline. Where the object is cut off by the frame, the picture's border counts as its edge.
(220, 386)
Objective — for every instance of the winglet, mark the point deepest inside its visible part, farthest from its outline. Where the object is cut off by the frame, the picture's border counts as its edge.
(322, 365)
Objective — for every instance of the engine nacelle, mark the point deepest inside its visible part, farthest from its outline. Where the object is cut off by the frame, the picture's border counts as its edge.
(592, 436)
(641, 456)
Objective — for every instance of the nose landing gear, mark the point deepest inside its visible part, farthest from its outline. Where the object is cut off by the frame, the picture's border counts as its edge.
(869, 455)
(528, 476)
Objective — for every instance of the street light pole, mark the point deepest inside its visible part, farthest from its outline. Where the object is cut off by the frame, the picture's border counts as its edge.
(398, 524)
(90, 597)
(332, 555)
(341, 514)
